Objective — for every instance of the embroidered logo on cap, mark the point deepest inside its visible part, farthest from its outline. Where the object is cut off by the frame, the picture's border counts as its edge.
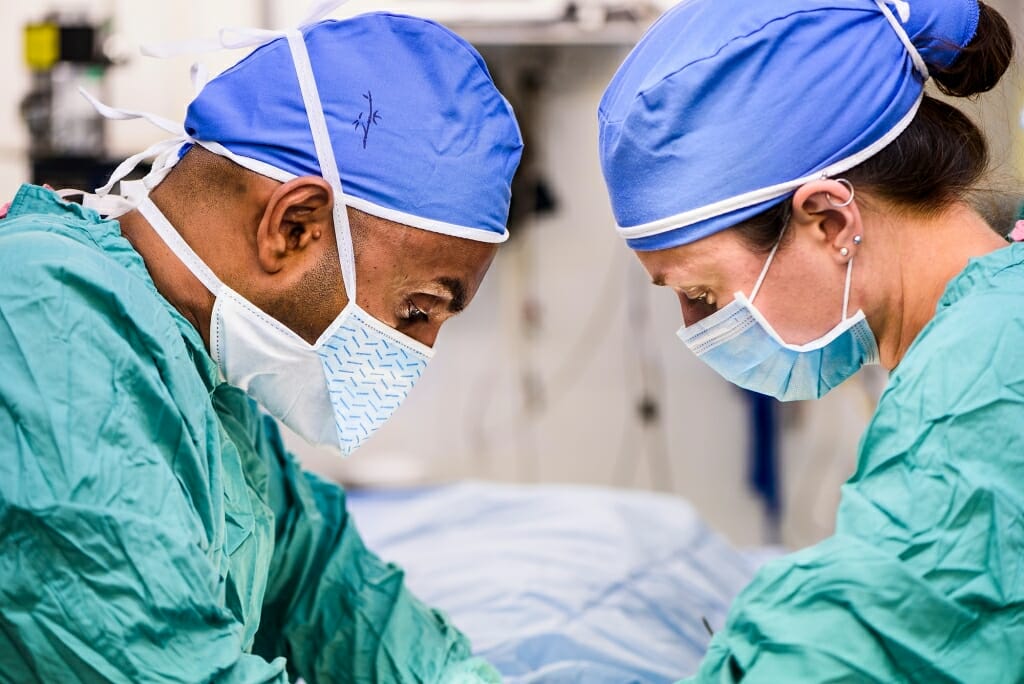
(372, 118)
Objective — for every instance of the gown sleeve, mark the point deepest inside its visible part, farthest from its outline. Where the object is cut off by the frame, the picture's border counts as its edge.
(923, 580)
(336, 611)
(106, 537)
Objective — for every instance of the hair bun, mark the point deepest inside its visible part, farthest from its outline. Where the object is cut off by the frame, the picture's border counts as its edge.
(980, 65)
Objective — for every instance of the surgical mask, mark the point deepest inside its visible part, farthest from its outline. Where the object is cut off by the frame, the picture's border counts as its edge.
(741, 346)
(337, 391)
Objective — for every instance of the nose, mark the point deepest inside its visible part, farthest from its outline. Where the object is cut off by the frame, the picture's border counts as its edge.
(692, 310)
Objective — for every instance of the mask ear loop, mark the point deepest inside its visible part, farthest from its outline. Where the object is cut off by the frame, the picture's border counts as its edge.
(778, 243)
(764, 271)
(771, 257)
(846, 293)
(849, 264)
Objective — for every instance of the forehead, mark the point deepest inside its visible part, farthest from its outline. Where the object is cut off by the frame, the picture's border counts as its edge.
(373, 229)
(698, 260)
(421, 253)
(431, 250)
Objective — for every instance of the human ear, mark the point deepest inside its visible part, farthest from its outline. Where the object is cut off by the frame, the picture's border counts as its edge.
(297, 214)
(827, 211)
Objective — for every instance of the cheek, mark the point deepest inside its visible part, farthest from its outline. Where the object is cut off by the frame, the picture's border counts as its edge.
(379, 295)
(802, 302)
(424, 333)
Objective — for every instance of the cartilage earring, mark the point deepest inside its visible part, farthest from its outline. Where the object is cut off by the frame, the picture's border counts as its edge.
(849, 200)
(844, 251)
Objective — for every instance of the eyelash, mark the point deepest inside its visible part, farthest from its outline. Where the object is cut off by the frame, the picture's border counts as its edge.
(415, 315)
(705, 298)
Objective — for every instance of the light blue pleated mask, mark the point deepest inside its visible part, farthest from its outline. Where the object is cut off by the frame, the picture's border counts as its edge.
(742, 347)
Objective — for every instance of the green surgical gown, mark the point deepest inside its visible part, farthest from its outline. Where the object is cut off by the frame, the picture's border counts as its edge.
(152, 525)
(923, 580)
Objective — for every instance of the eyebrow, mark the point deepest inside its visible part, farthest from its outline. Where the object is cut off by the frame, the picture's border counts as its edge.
(457, 290)
(659, 280)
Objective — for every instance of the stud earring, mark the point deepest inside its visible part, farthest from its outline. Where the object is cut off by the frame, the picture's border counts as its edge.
(844, 251)
(857, 239)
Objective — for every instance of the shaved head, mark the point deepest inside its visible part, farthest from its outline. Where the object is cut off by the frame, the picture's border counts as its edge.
(203, 178)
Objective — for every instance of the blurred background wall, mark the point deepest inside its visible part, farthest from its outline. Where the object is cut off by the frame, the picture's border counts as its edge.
(566, 367)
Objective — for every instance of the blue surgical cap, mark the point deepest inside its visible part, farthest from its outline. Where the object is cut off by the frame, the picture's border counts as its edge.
(727, 106)
(420, 134)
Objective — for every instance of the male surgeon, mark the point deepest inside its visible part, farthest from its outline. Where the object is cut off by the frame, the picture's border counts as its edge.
(329, 203)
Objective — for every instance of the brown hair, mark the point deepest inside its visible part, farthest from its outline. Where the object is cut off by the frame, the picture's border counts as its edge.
(941, 156)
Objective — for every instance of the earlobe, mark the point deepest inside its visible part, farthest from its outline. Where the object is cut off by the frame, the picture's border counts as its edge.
(296, 215)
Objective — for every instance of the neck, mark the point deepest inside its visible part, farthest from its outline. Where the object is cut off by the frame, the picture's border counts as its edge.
(931, 252)
(172, 278)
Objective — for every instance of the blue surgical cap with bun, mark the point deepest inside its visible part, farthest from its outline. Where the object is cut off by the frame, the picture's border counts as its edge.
(725, 107)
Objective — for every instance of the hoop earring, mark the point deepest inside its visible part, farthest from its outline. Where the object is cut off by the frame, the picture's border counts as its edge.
(849, 201)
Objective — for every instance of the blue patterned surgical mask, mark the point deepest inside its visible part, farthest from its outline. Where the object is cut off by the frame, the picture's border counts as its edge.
(741, 346)
(335, 392)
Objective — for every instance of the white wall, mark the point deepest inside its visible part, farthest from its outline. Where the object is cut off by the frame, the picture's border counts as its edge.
(14, 143)
(600, 322)
(160, 86)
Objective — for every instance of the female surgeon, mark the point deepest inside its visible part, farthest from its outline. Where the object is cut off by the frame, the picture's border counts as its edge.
(780, 167)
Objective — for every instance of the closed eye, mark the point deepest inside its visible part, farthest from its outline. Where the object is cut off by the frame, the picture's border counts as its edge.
(413, 314)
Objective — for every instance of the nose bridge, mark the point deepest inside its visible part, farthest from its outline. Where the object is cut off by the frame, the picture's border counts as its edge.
(691, 313)
(684, 307)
